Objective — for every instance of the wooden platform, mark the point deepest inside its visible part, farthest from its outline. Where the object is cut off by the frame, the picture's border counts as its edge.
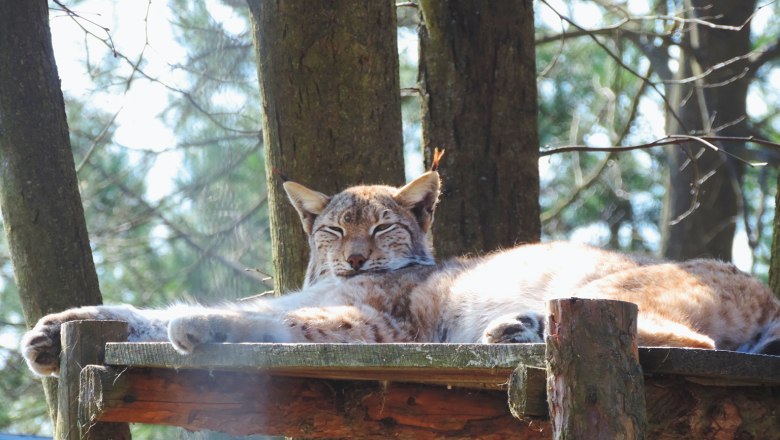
(478, 365)
(414, 391)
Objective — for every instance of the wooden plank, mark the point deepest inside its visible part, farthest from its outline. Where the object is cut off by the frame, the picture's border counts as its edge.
(724, 366)
(476, 364)
(254, 403)
(473, 365)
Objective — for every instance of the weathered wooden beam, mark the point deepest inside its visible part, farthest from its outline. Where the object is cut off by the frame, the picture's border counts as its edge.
(527, 392)
(680, 409)
(453, 364)
(595, 385)
(471, 365)
(83, 343)
(254, 403)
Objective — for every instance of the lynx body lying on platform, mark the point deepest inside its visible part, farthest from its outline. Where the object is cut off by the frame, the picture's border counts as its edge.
(372, 278)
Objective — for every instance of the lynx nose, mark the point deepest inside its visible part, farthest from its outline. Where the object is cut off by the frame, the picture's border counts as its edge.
(356, 261)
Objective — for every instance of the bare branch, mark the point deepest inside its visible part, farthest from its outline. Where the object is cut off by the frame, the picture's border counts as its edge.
(673, 139)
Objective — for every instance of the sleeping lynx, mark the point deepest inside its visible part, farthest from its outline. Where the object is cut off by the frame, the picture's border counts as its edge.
(372, 278)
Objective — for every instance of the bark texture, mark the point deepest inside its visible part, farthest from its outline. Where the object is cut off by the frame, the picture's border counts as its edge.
(478, 85)
(330, 93)
(42, 212)
(713, 104)
(595, 386)
(774, 263)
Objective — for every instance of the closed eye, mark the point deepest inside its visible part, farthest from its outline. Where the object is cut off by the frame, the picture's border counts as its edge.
(383, 227)
(335, 230)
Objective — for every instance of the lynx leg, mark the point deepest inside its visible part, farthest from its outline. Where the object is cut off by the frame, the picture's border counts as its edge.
(655, 331)
(41, 345)
(515, 328)
(216, 325)
(347, 324)
(339, 324)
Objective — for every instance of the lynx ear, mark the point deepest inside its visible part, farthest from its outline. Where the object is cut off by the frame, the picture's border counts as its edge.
(420, 196)
(308, 203)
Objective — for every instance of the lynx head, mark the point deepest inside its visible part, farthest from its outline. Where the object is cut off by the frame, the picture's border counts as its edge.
(366, 228)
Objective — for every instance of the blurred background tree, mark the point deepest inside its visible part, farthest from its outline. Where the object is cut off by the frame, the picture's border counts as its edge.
(176, 204)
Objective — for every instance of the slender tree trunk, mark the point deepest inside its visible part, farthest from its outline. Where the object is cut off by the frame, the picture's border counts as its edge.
(331, 106)
(42, 211)
(713, 104)
(774, 263)
(478, 85)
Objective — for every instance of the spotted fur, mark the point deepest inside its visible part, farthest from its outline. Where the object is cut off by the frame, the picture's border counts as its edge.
(372, 278)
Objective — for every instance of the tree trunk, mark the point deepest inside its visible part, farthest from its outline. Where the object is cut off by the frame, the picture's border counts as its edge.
(478, 85)
(42, 212)
(713, 104)
(774, 263)
(330, 92)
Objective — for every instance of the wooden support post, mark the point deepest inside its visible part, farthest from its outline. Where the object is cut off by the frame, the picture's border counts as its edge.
(595, 385)
(83, 343)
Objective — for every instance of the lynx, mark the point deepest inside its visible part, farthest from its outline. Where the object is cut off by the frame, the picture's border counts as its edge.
(372, 278)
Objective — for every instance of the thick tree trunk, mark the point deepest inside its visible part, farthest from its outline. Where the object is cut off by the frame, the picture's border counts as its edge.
(42, 211)
(331, 106)
(478, 85)
(708, 230)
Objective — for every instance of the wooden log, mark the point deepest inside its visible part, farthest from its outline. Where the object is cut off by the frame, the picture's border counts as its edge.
(251, 402)
(83, 343)
(241, 403)
(595, 385)
(527, 392)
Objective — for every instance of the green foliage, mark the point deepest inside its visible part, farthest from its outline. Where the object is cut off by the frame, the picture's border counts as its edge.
(207, 238)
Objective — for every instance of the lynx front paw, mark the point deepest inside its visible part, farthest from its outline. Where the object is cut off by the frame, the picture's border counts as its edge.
(41, 345)
(515, 328)
(188, 332)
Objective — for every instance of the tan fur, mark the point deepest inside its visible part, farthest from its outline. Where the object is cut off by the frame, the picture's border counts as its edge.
(372, 278)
